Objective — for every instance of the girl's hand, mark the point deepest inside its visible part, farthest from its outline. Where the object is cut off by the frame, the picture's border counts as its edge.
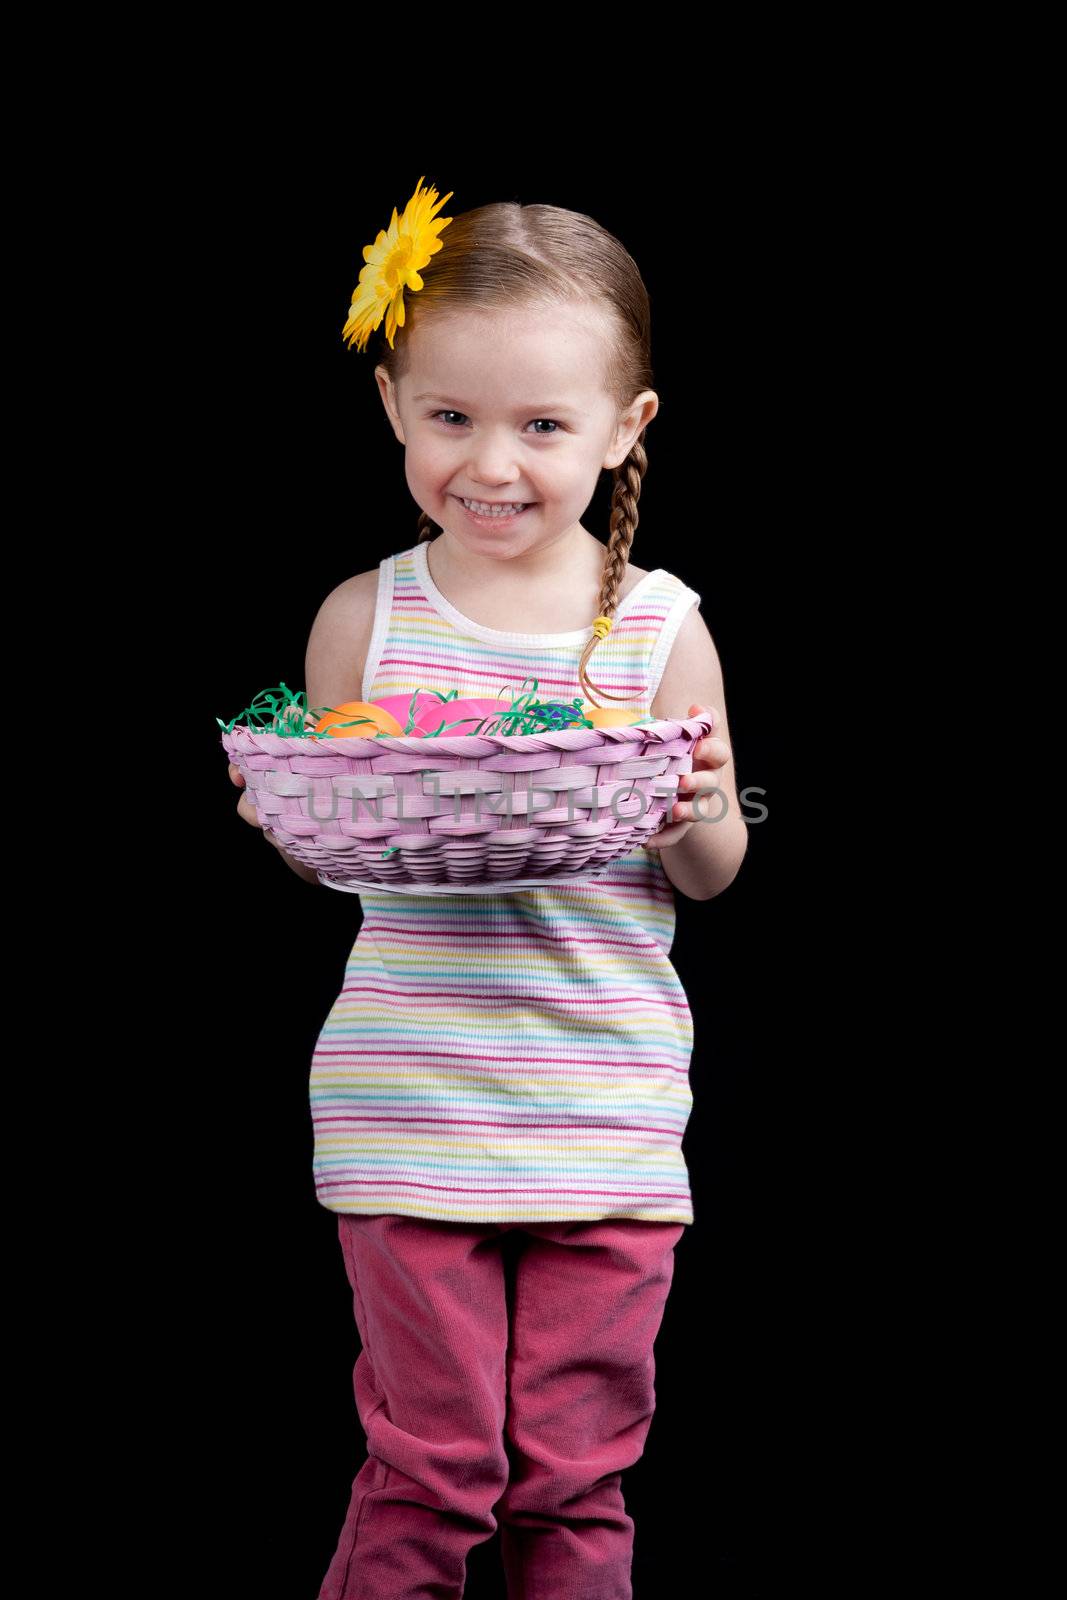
(709, 754)
(246, 809)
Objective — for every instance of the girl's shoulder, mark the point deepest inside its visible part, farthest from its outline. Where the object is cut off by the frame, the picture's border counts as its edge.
(349, 605)
(632, 578)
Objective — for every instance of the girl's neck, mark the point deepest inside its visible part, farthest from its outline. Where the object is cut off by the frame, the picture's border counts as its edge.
(563, 565)
(554, 593)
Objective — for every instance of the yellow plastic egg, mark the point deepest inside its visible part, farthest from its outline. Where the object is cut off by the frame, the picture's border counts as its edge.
(612, 716)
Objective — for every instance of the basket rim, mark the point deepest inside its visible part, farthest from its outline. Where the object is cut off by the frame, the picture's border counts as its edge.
(519, 742)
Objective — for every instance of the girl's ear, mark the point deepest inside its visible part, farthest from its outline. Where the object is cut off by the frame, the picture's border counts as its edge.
(636, 417)
(388, 394)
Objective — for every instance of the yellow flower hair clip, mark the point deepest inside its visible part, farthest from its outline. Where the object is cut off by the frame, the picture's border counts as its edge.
(393, 263)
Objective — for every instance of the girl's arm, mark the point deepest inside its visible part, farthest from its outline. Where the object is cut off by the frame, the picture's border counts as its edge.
(247, 810)
(333, 664)
(337, 647)
(339, 641)
(706, 857)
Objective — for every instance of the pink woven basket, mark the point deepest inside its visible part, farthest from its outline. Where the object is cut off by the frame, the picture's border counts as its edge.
(465, 815)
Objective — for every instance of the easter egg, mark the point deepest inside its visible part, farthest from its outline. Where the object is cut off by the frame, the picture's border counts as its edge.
(398, 705)
(467, 713)
(612, 716)
(378, 721)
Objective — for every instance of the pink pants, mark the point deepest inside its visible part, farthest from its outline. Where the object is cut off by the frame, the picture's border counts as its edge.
(506, 1378)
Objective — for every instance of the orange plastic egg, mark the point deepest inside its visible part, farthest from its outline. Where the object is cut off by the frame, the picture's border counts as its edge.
(378, 721)
(612, 716)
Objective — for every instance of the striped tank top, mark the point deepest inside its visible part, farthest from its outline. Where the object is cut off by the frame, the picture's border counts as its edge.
(510, 1057)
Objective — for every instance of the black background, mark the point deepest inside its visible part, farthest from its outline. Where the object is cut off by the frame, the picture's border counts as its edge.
(285, 478)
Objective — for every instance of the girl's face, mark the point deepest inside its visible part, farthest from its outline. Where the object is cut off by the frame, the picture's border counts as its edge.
(508, 407)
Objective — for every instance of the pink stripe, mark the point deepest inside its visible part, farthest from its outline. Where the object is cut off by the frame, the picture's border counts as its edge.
(421, 665)
(510, 1127)
(490, 924)
(553, 941)
(415, 609)
(510, 998)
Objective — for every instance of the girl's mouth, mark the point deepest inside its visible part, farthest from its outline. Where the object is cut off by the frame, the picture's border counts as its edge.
(493, 519)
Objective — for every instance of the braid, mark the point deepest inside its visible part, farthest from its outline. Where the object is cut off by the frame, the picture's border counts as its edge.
(427, 527)
(624, 498)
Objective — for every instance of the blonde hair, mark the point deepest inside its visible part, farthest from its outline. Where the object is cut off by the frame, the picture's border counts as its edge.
(506, 255)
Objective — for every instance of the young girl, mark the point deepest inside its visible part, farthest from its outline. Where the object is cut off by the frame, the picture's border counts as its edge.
(500, 1090)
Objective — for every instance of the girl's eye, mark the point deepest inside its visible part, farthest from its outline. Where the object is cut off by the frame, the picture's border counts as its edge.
(555, 425)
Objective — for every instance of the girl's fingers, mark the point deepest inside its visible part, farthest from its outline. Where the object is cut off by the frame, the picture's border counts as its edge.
(669, 835)
(692, 782)
(247, 810)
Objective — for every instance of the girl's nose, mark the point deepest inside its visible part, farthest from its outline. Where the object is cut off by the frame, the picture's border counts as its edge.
(490, 478)
(492, 466)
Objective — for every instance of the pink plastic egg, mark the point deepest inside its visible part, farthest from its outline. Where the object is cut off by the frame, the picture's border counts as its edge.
(430, 712)
(467, 713)
(397, 706)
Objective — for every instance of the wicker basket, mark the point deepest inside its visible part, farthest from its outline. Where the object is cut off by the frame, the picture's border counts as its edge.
(465, 815)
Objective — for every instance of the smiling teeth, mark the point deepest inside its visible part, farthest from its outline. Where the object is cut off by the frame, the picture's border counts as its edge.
(483, 508)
